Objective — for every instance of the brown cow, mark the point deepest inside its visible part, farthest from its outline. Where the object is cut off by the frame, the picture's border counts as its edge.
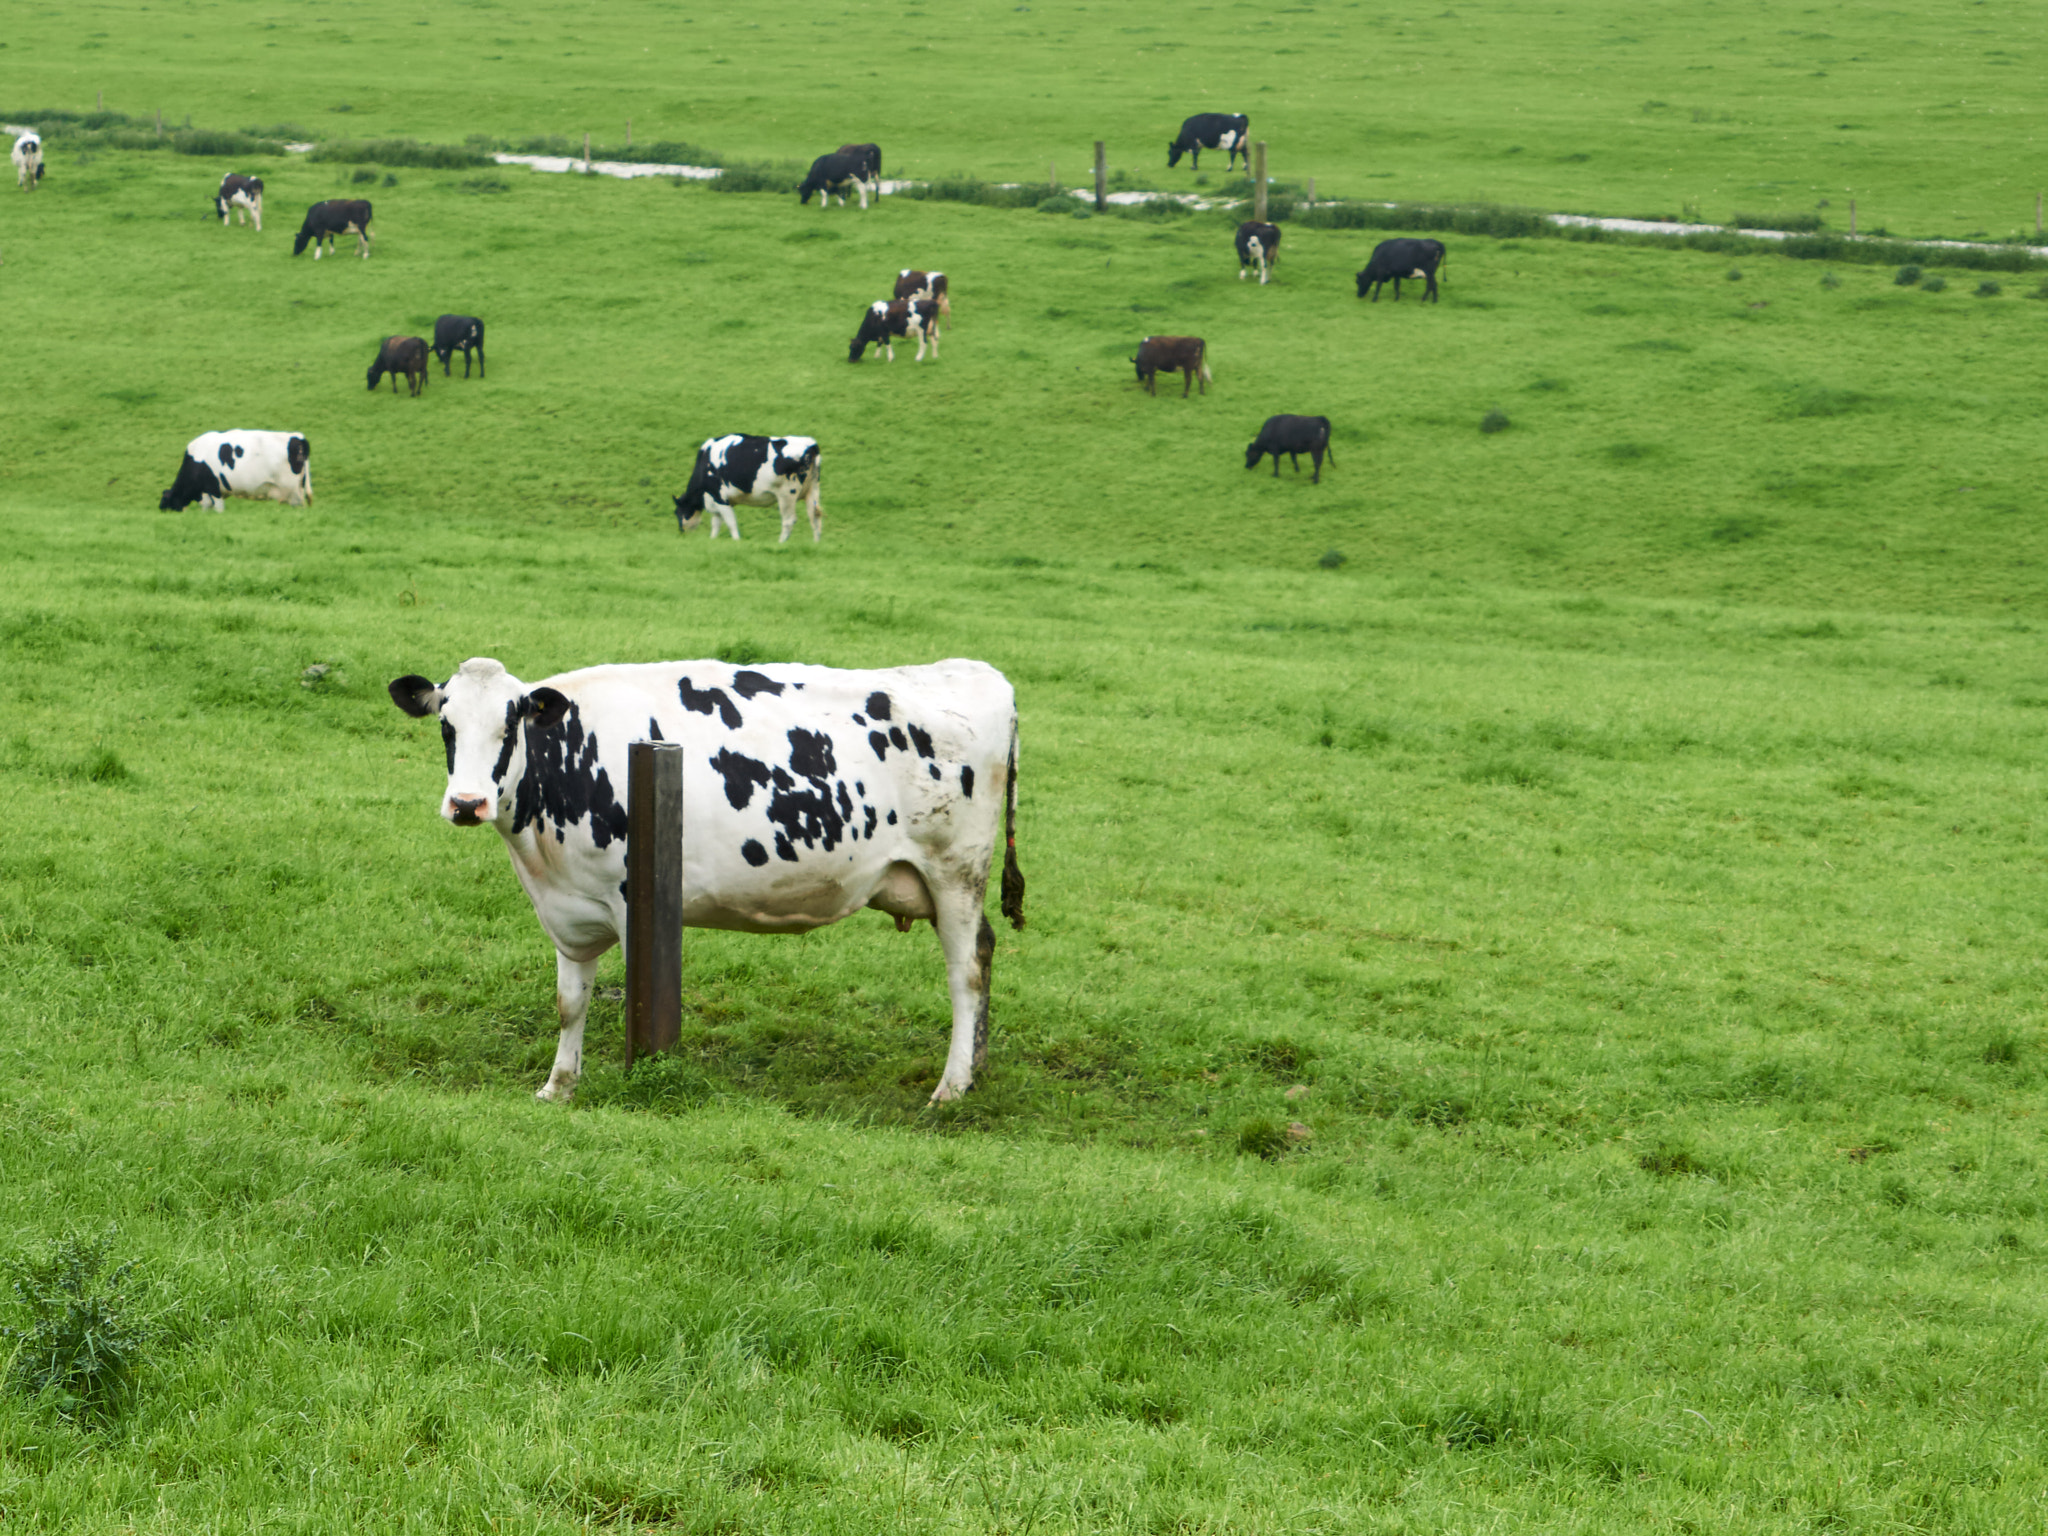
(1187, 355)
(401, 354)
(913, 284)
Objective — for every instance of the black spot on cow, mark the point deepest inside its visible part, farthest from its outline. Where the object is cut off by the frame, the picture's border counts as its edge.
(563, 783)
(706, 700)
(846, 807)
(448, 741)
(967, 781)
(896, 738)
(753, 853)
(892, 818)
(505, 747)
(860, 789)
(869, 829)
(810, 754)
(230, 453)
(878, 705)
(747, 684)
(923, 740)
(860, 719)
(784, 849)
(741, 774)
(881, 745)
(933, 768)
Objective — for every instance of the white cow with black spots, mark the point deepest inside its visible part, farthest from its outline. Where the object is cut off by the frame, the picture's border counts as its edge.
(273, 466)
(756, 472)
(28, 161)
(809, 793)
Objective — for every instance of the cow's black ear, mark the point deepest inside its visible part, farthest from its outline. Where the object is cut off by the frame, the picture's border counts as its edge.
(546, 708)
(417, 696)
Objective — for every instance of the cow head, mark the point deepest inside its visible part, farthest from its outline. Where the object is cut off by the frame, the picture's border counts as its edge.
(195, 482)
(874, 327)
(377, 370)
(305, 234)
(1364, 281)
(482, 710)
(1173, 154)
(691, 504)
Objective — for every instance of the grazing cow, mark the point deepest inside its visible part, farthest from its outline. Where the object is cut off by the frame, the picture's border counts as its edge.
(808, 793)
(28, 161)
(832, 174)
(459, 333)
(1393, 260)
(269, 466)
(1258, 245)
(1188, 355)
(886, 319)
(870, 158)
(342, 216)
(1293, 436)
(756, 472)
(243, 195)
(406, 355)
(1213, 130)
(913, 284)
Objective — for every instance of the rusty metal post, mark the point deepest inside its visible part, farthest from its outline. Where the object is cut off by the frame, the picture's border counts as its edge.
(654, 897)
(1101, 177)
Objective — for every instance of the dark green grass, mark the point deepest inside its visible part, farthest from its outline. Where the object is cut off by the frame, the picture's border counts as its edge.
(1769, 113)
(1628, 850)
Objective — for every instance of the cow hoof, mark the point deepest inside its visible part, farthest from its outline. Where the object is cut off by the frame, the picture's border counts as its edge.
(557, 1090)
(946, 1092)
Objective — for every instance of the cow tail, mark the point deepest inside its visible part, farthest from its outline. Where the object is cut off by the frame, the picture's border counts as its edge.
(1013, 877)
(1203, 362)
(1443, 263)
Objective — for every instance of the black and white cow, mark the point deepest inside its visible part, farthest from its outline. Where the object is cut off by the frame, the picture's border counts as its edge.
(243, 195)
(870, 158)
(1258, 245)
(341, 216)
(740, 468)
(914, 284)
(459, 333)
(1213, 130)
(1293, 436)
(265, 466)
(886, 319)
(401, 357)
(834, 173)
(28, 161)
(808, 792)
(1393, 260)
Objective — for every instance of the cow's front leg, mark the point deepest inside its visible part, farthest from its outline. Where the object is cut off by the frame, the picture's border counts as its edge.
(970, 946)
(786, 504)
(572, 1002)
(732, 524)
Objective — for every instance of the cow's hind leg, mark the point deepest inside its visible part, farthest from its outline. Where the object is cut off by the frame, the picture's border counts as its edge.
(815, 508)
(785, 503)
(572, 1002)
(970, 945)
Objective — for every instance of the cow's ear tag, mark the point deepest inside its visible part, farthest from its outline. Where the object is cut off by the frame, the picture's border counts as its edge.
(545, 708)
(417, 696)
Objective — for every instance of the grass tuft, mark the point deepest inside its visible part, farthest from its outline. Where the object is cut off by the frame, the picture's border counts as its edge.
(1495, 420)
(82, 1341)
(1907, 276)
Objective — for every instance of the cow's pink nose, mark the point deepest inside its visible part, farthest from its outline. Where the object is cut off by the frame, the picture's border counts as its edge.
(465, 813)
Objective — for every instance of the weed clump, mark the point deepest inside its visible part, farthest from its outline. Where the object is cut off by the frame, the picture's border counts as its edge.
(1990, 288)
(82, 1343)
(1934, 284)
(1667, 1160)
(1261, 1138)
(2002, 1049)
(1495, 420)
(1330, 559)
(1735, 274)
(1907, 276)
(1829, 280)
(410, 152)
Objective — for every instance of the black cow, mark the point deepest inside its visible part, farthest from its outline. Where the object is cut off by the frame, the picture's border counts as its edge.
(1393, 260)
(1258, 245)
(1187, 355)
(832, 174)
(459, 333)
(342, 216)
(1213, 130)
(886, 319)
(1293, 436)
(869, 156)
(401, 355)
(243, 195)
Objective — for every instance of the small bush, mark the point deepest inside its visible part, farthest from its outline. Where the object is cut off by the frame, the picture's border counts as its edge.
(1990, 288)
(366, 175)
(1735, 274)
(1495, 420)
(756, 178)
(1261, 1138)
(1829, 280)
(1934, 284)
(1058, 203)
(2040, 292)
(1907, 276)
(104, 767)
(1330, 559)
(81, 1345)
(408, 152)
(390, 180)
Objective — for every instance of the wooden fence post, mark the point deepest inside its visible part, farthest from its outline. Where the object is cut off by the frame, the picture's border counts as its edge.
(1259, 181)
(654, 897)
(1101, 177)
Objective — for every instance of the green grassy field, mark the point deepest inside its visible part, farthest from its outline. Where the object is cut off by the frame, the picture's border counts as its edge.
(1622, 864)
(1926, 116)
